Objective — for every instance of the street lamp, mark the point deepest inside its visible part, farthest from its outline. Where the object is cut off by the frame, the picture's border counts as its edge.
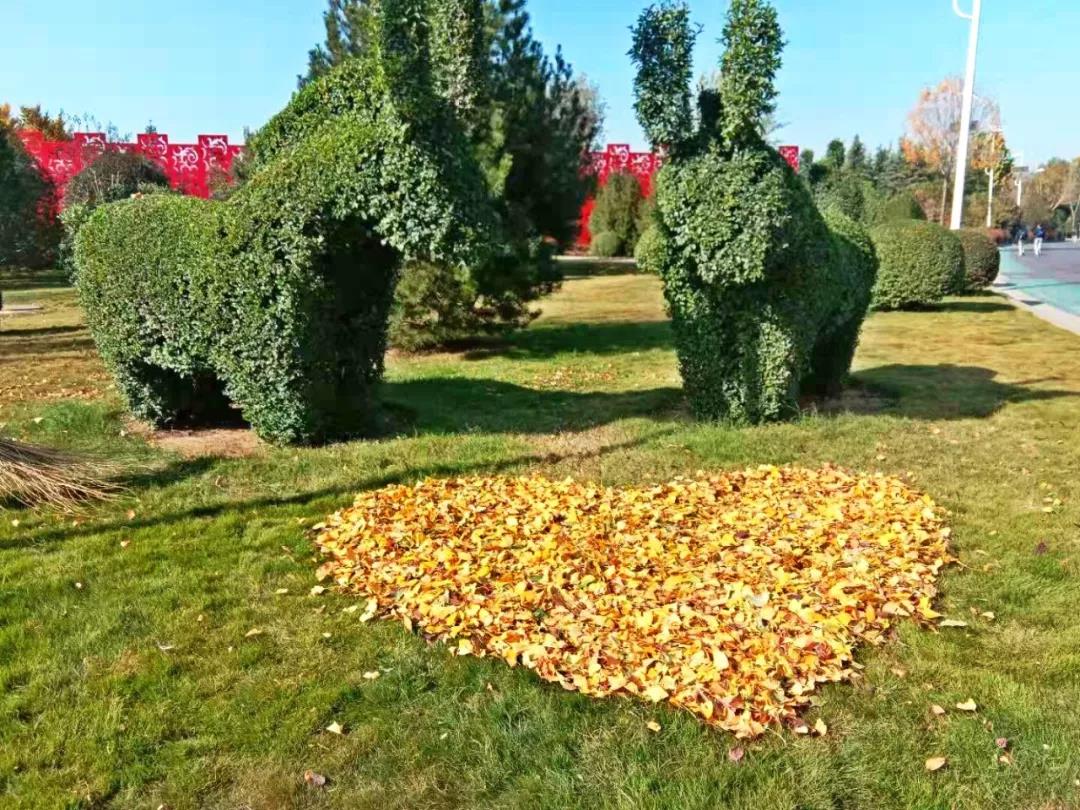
(965, 115)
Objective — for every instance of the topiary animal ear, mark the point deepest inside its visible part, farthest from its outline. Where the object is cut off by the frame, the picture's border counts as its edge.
(754, 43)
(402, 56)
(457, 48)
(663, 52)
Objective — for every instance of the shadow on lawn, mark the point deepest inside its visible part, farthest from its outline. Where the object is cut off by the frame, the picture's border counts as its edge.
(617, 337)
(977, 307)
(181, 470)
(465, 405)
(943, 392)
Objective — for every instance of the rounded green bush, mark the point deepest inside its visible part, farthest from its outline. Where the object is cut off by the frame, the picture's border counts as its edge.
(982, 260)
(606, 245)
(275, 302)
(920, 263)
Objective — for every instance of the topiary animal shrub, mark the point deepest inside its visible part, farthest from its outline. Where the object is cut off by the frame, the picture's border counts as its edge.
(275, 302)
(110, 177)
(766, 299)
(982, 261)
(920, 263)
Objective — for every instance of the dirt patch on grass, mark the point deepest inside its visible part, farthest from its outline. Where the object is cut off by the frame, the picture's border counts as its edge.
(216, 442)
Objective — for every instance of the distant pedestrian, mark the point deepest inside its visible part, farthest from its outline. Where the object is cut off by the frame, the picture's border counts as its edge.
(1021, 233)
(1040, 234)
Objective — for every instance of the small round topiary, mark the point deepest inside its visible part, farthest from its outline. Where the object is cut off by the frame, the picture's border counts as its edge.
(606, 245)
(982, 261)
(920, 263)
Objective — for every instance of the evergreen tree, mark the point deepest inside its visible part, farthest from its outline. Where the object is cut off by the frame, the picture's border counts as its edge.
(835, 155)
(856, 156)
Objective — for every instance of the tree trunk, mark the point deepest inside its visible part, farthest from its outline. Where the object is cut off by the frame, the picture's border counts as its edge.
(944, 197)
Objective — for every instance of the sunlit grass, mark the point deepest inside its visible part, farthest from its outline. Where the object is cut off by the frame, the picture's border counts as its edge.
(127, 678)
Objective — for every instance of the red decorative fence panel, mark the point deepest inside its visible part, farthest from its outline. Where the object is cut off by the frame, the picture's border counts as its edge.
(643, 165)
(190, 167)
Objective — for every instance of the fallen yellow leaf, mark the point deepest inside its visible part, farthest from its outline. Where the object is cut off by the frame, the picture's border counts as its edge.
(936, 763)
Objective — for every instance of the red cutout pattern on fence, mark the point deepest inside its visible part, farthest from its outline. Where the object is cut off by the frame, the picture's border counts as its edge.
(643, 165)
(190, 167)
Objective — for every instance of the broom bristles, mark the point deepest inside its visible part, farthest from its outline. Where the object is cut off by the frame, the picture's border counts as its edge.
(36, 476)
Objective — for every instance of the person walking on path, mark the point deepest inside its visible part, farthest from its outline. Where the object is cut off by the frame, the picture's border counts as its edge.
(1040, 234)
(1021, 232)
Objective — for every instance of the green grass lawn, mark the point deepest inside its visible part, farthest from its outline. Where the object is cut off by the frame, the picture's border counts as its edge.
(128, 679)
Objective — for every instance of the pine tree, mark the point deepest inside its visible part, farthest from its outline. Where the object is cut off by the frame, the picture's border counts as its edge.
(856, 156)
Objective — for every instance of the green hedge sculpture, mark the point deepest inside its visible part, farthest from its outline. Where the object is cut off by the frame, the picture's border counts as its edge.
(767, 297)
(275, 302)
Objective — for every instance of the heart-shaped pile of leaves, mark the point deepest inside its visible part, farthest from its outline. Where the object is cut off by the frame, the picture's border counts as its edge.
(732, 595)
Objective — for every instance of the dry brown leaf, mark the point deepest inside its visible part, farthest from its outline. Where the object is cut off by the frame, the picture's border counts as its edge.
(967, 706)
(936, 763)
(736, 755)
(952, 623)
(652, 725)
(335, 728)
(937, 710)
(314, 779)
(254, 631)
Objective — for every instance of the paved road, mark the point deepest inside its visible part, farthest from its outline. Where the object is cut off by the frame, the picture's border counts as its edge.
(1053, 278)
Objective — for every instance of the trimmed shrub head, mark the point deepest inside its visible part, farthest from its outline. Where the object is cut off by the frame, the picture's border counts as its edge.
(276, 300)
(766, 297)
(982, 261)
(921, 263)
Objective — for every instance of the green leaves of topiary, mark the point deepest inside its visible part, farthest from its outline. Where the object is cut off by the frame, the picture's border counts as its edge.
(753, 43)
(663, 51)
(766, 297)
(276, 301)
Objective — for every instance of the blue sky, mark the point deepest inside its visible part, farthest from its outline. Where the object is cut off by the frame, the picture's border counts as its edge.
(209, 66)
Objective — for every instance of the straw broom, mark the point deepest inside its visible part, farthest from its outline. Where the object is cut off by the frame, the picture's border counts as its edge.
(36, 476)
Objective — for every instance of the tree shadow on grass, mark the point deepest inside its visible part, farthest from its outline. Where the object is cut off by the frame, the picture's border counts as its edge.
(976, 307)
(41, 331)
(939, 392)
(617, 337)
(444, 405)
(182, 470)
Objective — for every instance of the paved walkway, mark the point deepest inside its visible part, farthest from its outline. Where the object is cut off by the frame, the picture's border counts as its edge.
(1049, 285)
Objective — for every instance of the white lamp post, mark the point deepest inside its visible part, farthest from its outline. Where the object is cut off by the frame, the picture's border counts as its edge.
(965, 114)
